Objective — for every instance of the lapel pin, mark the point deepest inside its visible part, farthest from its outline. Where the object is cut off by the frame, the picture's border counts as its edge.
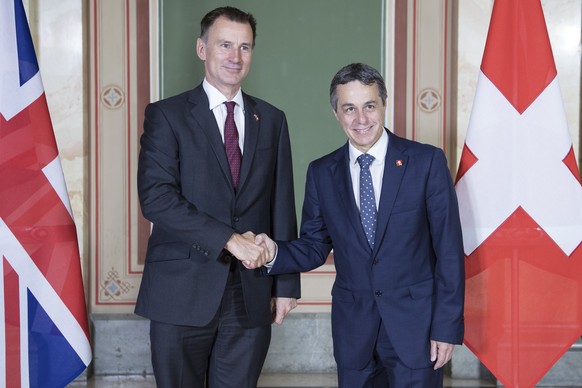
(399, 163)
(256, 117)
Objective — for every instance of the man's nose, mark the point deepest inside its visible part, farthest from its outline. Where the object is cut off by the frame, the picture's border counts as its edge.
(361, 117)
(235, 55)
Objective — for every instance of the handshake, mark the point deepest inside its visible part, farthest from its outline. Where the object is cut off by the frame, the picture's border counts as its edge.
(252, 250)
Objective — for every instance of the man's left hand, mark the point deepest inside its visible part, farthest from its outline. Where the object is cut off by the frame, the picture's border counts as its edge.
(441, 352)
(280, 307)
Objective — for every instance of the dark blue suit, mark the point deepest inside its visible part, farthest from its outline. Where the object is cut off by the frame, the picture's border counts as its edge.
(412, 281)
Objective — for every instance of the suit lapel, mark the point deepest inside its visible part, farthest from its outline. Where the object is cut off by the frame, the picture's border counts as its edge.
(206, 122)
(252, 126)
(340, 171)
(394, 167)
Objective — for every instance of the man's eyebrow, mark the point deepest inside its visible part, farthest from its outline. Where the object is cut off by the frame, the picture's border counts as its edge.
(349, 104)
(231, 43)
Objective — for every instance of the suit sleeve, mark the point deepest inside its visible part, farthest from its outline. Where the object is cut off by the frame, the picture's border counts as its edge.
(310, 251)
(159, 187)
(284, 223)
(445, 227)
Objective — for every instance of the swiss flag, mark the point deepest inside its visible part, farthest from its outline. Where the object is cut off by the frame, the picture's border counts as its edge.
(44, 335)
(520, 200)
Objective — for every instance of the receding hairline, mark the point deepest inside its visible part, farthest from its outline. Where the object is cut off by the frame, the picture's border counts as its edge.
(231, 14)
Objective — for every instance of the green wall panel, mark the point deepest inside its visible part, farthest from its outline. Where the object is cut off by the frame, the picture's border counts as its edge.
(300, 45)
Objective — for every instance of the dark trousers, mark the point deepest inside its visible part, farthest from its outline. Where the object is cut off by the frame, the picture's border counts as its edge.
(225, 353)
(386, 370)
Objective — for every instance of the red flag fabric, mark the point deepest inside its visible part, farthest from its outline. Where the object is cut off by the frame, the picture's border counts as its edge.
(520, 201)
(44, 335)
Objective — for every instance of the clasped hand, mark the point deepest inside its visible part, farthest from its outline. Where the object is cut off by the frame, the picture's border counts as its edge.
(252, 250)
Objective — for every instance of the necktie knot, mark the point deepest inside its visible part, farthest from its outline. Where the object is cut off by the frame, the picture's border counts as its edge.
(229, 107)
(365, 160)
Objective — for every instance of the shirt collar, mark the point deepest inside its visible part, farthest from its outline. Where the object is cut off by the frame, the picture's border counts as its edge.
(216, 98)
(378, 150)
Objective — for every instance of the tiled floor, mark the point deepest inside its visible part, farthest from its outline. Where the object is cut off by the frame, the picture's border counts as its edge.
(266, 381)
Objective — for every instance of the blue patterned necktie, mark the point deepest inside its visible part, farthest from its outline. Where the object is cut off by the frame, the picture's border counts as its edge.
(367, 199)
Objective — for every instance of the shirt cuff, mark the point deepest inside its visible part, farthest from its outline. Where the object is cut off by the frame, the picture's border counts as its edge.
(270, 264)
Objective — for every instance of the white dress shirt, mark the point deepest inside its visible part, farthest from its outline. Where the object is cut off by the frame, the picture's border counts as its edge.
(378, 151)
(216, 104)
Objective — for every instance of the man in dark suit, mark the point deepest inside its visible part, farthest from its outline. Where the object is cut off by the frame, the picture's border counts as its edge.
(214, 162)
(387, 207)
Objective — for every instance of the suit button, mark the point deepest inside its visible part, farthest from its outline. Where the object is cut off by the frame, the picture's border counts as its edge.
(375, 262)
(378, 293)
(236, 219)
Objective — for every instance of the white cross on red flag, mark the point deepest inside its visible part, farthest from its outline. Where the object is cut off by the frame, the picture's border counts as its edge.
(520, 200)
(44, 335)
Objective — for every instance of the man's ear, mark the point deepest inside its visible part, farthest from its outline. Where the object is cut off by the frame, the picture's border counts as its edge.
(201, 49)
(335, 114)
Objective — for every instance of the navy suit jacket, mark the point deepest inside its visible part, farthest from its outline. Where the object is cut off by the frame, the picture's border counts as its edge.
(413, 280)
(185, 190)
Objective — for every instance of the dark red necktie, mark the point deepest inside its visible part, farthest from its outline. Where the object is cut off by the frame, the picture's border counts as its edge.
(233, 153)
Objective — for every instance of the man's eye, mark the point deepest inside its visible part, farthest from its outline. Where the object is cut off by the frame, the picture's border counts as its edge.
(245, 49)
(370, 107)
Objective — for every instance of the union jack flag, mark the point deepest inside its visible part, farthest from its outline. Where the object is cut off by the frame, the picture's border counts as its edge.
(44, 336)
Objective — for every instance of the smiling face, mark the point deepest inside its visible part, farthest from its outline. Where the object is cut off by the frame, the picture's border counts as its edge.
(360, 112)
(227, 52)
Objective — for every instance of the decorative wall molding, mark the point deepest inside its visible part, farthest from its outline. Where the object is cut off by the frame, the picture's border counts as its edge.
(431, 72)
(118, 61)
(423, 68)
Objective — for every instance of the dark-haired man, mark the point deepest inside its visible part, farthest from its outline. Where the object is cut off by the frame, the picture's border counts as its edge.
(214, 162)
(387, 207)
